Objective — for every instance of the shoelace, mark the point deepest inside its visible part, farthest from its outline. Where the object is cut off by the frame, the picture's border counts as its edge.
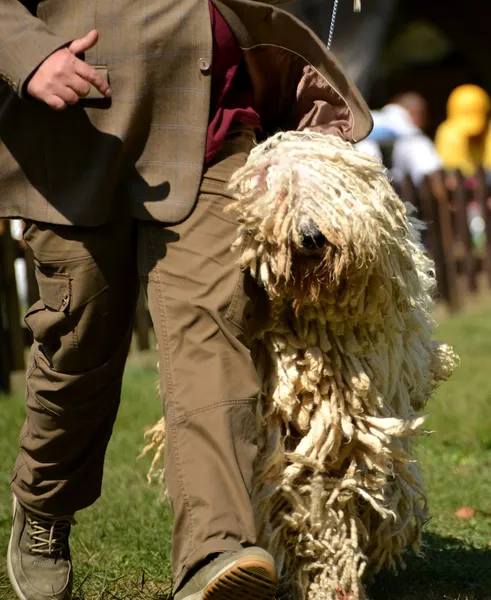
(49, 536)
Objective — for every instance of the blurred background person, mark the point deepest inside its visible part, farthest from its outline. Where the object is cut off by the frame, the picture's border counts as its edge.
(398, 139)
(464, 140)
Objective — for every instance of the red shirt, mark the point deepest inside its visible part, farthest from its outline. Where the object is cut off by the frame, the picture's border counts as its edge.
(231, 92)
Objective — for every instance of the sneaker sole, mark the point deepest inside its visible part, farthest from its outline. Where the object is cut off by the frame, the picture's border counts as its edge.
(248, 578)
(13, 582)
(10, 571)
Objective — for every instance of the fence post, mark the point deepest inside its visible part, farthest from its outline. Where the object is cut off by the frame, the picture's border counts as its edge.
(12, 311)
(426, 215)
(4, 354)
(463, 232)
(484, 201)
(435, 213)
(409, 193)
(441, 203)
(4, 341)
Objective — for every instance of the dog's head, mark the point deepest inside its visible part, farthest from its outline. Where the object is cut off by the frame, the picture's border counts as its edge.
(319, 221)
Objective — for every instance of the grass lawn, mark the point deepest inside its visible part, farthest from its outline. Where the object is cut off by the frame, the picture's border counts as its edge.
(121, 545)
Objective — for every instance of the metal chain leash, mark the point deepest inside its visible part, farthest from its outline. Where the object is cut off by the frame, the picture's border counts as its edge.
(333, 23)
(356, 8)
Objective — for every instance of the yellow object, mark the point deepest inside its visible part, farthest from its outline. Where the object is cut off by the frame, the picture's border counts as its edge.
(464, 139)
(468, 107)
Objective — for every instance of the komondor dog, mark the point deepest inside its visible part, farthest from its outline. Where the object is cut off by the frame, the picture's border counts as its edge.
(347, 360)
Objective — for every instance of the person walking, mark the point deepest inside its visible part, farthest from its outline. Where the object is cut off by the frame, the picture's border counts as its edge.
(398, 139)
(121, 123)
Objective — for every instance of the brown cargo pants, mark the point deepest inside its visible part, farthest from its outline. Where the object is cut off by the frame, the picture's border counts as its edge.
(199, 302)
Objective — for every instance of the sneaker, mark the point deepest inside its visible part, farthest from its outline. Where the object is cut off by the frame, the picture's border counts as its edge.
(249, 574)
(38, 558)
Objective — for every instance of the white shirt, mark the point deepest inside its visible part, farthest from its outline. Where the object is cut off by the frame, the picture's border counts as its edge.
(415, 156)
(413, 152)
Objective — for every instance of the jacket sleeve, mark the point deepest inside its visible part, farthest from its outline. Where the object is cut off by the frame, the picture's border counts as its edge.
(25, 42)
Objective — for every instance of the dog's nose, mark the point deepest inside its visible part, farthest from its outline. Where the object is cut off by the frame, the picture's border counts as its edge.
(311, 238)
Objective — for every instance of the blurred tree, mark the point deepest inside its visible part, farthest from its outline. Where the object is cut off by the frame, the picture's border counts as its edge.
(467, 24)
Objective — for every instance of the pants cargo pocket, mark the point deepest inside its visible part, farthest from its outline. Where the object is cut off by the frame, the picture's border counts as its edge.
(46, 317)
(244, 294)
(70, 321)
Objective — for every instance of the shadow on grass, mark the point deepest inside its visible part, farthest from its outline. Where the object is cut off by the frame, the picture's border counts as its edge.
(449, 570)
(123, 589)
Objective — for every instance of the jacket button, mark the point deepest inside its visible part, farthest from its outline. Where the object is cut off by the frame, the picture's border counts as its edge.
(204, 66)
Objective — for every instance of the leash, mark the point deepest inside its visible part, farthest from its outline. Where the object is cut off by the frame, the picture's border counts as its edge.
(356, 8)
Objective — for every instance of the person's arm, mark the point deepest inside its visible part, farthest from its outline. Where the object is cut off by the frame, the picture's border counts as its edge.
(37, 62)
(416, 156)
(25, 42)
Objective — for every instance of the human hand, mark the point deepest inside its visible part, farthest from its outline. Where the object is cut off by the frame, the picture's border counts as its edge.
(63, 79)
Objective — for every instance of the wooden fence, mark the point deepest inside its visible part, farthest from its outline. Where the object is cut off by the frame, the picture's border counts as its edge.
(457, 213)
(461, 250)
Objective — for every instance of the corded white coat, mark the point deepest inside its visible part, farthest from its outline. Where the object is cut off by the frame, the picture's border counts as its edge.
(346, 358)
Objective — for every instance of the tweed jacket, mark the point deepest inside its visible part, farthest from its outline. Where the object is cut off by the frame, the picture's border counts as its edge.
(141, 153)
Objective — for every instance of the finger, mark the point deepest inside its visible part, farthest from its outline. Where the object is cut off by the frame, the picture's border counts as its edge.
(79, 85)
(67, 95)
(92, 76)
(56, 103)
(85, 43)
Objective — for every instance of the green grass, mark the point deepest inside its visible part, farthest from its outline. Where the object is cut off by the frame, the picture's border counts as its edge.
(457, 463)
(121, 545)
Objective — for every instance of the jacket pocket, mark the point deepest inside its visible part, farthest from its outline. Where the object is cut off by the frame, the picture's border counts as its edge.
(94, 94)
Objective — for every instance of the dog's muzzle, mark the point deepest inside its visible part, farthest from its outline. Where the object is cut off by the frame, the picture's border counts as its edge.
(312, 238)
